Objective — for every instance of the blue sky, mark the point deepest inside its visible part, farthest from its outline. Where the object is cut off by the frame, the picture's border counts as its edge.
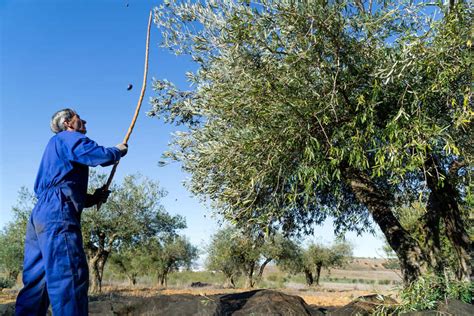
(83, 54)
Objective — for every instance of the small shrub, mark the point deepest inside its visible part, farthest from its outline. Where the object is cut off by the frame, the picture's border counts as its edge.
(461, 291)
(6, 282)
(428, 291)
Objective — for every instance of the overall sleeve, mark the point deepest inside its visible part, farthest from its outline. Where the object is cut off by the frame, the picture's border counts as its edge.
(87, 152)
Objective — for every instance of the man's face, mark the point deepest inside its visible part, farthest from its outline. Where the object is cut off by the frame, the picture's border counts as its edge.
(76, 124)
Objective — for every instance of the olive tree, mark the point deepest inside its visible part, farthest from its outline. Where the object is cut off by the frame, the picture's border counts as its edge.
(167, 255)
(318, 256)
(12, 236)
(222, 256)
(128, 261)
(301, 110)
(155, 256)
(236, 252)
(132, 214)
(315, 257)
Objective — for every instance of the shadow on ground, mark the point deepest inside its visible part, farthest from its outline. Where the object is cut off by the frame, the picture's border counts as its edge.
(257, 302)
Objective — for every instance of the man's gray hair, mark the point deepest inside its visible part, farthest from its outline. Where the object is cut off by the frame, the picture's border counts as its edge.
(58, 119)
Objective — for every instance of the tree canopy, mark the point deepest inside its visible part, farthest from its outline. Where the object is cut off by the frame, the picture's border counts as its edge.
(306, 109)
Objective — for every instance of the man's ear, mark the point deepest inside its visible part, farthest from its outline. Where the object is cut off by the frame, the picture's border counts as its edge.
(66, 124)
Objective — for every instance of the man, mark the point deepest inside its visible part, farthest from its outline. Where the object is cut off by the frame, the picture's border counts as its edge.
(55, 267)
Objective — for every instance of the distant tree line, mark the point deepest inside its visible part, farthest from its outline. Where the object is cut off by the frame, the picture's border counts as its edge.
(132, 231)
(235, 252)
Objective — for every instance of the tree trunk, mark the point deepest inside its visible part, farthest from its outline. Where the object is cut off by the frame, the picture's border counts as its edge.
(262, 268)
(443, 203)
(161, 280)
(102, 262)
(318, 273)
(163, 277)
(13, 275)
(97, 259)
(132, 279)
(377, 200)
(431, 235)
(96, 278)
(249, 283)
(229, 282)
(309, 277)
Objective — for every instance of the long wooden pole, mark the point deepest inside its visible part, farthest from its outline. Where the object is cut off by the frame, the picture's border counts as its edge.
(137, 109)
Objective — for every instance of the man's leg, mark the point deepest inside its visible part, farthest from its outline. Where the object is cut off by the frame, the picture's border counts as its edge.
(33, 297)
(67, 275)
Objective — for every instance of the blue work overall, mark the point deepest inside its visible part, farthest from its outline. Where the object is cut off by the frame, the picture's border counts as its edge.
(55, 267)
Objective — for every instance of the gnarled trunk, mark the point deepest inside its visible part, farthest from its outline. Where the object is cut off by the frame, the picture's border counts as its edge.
(318, 272)
(309, 277)
(249, 282)
(412, 261)
(163, 280)
(163, 275)
(132, 279)
(229, 282)
(98, 256)
(431, 235)
(96, 267)
(96, 277)
(443, 203)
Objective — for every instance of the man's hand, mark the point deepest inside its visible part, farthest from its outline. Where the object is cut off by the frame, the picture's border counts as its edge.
(100, 196)
(123, 148)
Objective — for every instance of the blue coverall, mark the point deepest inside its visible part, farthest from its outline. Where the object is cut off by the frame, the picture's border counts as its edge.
(55, 267)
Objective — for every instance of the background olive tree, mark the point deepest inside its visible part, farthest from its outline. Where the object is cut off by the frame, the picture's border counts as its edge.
(132, 215)
(236, 252)
(302, 110)
(222, 255)
(311, 259)
(12, 236)
(168, 254)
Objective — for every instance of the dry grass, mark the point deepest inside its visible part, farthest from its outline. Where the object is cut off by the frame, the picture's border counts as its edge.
(360, 277)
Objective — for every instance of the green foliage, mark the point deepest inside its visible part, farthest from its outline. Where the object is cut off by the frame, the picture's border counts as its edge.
(6, 283)
(132, 213)
(392, 261)
(128, 261)
(412, 219)
(316, 257)
(12, 236)
(223, 254)
(167, 255)
(429, 290)
(290, 95)
(157, 256)
(132, 216)
(186, 278)
(234, 252)
(335, 256)
(462, 291)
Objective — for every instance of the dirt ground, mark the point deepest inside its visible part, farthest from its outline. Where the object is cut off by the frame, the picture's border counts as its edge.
(329, 294)
(322, 297)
